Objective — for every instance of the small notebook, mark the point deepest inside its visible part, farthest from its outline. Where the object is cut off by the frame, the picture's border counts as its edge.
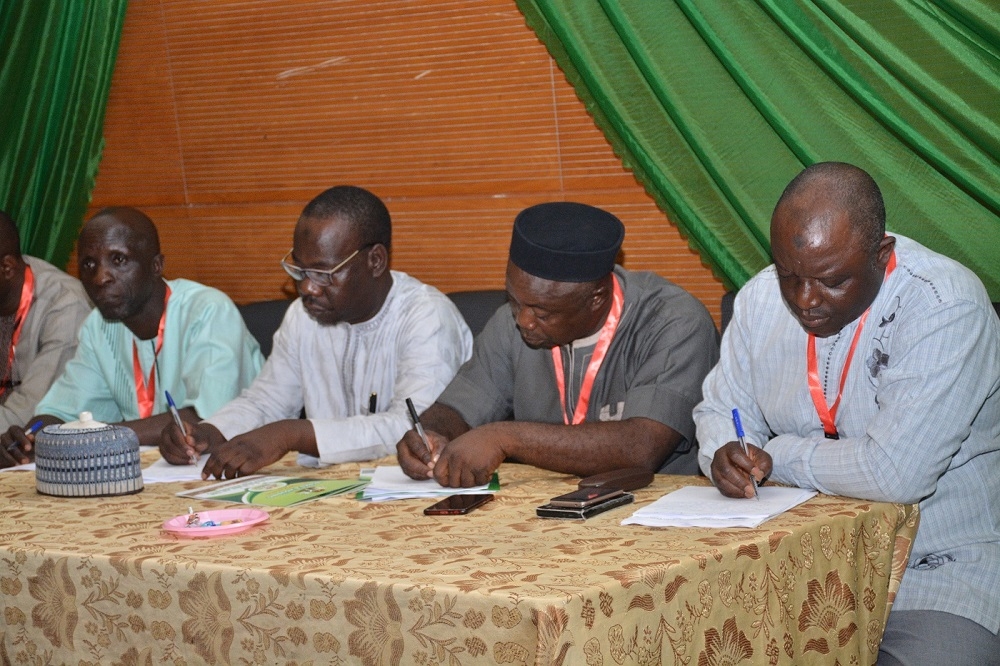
(705, 506)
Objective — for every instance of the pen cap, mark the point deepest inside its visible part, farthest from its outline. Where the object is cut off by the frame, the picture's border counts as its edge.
(737, 423)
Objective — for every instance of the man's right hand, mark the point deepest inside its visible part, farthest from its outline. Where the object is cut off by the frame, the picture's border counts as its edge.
(184, 448)
(731, 469)
(414, 457)
(16, 447)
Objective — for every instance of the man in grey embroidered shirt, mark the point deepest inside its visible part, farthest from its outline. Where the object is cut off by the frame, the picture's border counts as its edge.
(868, 366)
(592, 368)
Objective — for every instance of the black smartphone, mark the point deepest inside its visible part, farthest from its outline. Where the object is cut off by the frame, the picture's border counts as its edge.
(456, 505)
(550, 511)
(584, 497)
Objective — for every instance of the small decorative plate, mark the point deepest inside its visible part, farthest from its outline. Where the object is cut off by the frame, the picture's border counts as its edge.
(227, 521)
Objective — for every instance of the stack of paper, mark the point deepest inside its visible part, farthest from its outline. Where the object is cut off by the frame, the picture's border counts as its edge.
(705, 506)
(390, 483)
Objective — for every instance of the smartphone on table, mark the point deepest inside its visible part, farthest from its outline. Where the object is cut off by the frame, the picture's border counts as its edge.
(456, 505)
(584, 497)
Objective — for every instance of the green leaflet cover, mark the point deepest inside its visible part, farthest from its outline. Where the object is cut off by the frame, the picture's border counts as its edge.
(276, 491)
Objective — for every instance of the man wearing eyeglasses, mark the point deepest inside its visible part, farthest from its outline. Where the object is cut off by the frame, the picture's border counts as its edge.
(359, 341)
(147, 336)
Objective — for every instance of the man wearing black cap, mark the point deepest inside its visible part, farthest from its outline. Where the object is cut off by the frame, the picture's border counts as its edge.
(592, 369)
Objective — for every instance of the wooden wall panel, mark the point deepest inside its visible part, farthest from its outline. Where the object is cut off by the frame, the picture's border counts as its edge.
(225, 118)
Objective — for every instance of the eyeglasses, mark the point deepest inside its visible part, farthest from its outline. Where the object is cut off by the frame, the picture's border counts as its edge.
(322, 278)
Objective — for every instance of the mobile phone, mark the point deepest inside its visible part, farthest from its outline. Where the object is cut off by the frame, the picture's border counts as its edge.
(456, 505)
(550, 511)
(584, 497)
(631, 478)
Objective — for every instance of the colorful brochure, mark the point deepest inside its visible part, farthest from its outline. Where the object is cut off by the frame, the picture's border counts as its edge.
(264, 490)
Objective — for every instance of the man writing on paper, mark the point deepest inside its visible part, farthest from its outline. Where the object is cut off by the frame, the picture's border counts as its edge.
(593, 368)
(359, 341)
(147, 335)
(41, 309)
(868, 366)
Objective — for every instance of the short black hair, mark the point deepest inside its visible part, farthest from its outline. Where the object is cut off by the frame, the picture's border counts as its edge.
(10, 237)
(849, 187)
(357, 206)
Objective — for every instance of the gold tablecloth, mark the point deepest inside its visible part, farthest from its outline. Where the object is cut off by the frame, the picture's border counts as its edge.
(96, 581)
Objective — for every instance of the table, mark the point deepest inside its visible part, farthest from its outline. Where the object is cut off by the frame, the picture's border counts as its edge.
(95, 581)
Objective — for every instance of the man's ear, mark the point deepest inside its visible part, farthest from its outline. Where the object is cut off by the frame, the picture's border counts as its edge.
(378, 260)
(885, 248)
(8, 266)
(158, 265)
(600, 295)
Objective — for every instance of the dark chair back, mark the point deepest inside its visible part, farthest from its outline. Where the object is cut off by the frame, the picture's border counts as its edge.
(727, 309)
(262, 319)
(478, 306)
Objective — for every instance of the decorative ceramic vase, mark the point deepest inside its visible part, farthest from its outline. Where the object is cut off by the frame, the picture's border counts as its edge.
(86, 458)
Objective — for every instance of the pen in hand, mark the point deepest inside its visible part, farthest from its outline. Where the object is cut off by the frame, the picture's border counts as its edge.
(180, 424)
(416, 425)
(32, 429)
(743, 443)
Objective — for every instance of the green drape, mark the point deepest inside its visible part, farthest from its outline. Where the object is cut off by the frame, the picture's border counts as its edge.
(716, 104)
(55, 74)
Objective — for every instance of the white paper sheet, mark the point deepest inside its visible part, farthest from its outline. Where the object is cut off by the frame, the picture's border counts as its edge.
(705, 506)
(163, 472)
(27, 467)
(391, 483)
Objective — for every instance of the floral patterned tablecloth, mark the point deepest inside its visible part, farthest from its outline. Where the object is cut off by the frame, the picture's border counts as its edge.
(334, 581)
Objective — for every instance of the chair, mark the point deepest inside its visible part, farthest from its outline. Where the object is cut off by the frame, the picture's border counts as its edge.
(478, 306)
(727, 310)
(262, 319)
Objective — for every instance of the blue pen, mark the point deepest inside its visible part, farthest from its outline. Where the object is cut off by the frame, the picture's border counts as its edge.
(743, 442)
(180, 424)
(32, 429)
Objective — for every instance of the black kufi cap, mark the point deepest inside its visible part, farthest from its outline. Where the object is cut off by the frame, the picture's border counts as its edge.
(566, 242)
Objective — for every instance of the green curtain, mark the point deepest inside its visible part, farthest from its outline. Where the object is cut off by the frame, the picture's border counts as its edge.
(55, 74)
(716, 104)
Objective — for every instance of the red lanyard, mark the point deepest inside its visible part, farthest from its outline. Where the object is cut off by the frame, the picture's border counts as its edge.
(146, 391)
(27, 295)
(828, 415)
(600, 351)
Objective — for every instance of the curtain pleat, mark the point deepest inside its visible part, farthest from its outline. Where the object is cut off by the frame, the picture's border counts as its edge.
(55, 75)
(717, 105)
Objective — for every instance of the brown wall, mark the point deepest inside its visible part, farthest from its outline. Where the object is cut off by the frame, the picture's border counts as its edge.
(225, 118)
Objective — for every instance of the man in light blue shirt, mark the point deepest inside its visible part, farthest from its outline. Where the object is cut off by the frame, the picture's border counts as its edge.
(866, 365)
(146, 336)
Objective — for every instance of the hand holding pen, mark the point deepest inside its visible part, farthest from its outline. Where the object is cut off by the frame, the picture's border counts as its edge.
(192, 455)
(418, 427)
(15, 452)
(743, 444)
